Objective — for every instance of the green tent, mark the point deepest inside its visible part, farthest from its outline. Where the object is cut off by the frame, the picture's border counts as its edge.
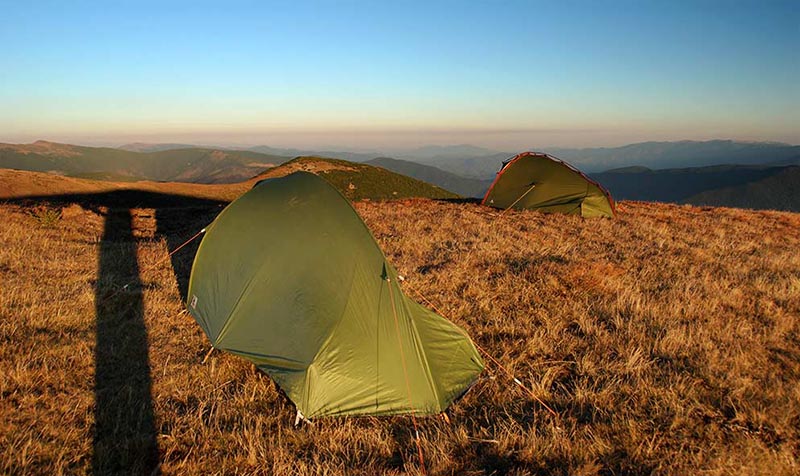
(290, 278)
(537, 181)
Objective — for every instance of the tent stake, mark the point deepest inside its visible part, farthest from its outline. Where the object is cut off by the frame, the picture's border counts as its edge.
(299, 418)
(207, 355)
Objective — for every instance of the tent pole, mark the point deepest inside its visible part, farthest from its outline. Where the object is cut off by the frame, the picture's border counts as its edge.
(517, 200)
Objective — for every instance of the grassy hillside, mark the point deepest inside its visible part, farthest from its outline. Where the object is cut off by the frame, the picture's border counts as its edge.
(359, 181)
(179, 165)
(20, 183)
(759, 187)
(665, 340)
(467, 187)
(779, 191)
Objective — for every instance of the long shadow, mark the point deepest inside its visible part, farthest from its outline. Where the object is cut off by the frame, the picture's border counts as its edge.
(460, 200)
(178, 217)
(125, 430)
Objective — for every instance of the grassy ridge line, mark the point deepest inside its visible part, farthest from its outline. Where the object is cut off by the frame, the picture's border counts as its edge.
(359, 181)
(379, 183)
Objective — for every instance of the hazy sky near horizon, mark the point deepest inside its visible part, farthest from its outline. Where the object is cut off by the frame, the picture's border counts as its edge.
(507, 75)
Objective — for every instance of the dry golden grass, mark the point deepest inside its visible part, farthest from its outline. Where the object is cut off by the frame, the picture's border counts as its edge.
(667, 341)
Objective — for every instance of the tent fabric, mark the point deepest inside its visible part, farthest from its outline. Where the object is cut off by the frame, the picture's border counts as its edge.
(537, 181)
(290, 278)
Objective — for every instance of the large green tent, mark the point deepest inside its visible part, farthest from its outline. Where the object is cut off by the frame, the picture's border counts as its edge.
(537, 181)
(290, 278)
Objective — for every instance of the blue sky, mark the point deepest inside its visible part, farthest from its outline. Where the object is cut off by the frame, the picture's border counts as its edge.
(370, 74)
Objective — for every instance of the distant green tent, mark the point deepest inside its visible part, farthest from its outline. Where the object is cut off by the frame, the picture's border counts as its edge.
(290, 278)
(536, 181)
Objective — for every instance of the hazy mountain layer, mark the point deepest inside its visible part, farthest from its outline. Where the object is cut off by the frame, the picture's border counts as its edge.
(656, 155)
(478, 162)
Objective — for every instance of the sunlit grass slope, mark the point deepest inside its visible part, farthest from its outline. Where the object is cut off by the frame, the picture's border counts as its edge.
(665, 340)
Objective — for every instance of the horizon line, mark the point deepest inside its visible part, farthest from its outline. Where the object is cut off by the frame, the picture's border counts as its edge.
(100, 143)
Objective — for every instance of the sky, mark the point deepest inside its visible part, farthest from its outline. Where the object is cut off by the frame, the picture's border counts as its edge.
(363, 75)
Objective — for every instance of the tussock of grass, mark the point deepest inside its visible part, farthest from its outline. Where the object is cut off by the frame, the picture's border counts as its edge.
(666, 340)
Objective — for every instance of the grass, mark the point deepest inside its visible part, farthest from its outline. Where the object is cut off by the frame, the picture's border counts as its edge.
(667, 341)
(359, 181)
(45, 216)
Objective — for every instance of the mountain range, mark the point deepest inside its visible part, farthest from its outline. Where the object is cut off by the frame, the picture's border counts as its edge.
(478, 162)
(656, 155)
(261, 149)
(742, 174)
(198, 165)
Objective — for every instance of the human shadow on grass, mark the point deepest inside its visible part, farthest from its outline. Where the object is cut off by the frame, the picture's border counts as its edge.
(125, 431)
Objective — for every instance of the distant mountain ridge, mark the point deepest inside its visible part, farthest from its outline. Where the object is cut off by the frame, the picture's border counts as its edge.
(158, 147)
(657, 155)
(465, 186)
(679, 154)
(479, 162)
(198, 165)
(433, 152)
